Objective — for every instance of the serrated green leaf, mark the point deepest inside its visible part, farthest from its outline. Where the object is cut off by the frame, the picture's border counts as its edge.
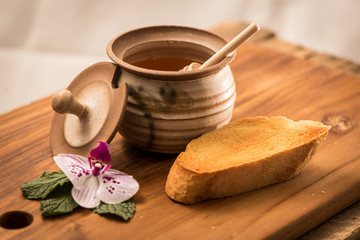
(58, 202)
(125, 210)
(43, 186)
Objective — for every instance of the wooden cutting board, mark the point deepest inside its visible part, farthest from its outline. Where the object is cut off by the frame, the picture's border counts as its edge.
(268, 83)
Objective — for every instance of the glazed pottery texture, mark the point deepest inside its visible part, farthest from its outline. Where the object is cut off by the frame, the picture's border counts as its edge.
(167, 108)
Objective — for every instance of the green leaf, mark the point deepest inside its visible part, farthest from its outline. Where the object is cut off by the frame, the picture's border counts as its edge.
(41, 187)
(125, 210)
(59, 202)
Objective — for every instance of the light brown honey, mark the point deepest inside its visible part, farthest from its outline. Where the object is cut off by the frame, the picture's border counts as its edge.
(163, 63)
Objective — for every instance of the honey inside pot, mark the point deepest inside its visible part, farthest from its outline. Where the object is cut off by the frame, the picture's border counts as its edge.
(166, 55)
(163, 63)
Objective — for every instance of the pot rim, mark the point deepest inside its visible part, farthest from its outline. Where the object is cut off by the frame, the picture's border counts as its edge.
(169, 75)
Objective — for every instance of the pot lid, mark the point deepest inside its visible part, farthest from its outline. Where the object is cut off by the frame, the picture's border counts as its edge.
(89, 110)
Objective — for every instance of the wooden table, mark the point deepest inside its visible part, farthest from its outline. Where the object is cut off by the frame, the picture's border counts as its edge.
(266, 72)
(346, 224)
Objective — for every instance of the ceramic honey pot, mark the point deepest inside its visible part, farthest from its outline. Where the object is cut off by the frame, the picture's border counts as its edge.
(165, 108)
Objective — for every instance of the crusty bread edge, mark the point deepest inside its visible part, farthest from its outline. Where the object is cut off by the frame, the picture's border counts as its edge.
(189, 187)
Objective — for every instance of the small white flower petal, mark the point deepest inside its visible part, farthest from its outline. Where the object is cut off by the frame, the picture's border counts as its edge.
(75, 167)
(116, 187)
(86, 196)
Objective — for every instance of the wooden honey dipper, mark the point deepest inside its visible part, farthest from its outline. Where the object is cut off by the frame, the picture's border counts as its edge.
(227, 49)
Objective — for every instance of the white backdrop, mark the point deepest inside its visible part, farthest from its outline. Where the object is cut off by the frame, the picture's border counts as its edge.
(44, 44)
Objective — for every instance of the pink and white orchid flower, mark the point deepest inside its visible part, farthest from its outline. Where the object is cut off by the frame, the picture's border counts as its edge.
(93, 180)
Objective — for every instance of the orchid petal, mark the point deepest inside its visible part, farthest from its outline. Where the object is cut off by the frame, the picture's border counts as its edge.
(90, 162)
(75, 167)
(101, 152)
(107, 167)
(86, 196)
(116, 187)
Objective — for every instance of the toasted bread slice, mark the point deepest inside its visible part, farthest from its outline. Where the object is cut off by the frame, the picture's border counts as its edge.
(242, 156)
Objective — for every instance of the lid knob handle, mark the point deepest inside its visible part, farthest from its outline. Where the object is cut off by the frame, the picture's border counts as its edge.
(63, 101)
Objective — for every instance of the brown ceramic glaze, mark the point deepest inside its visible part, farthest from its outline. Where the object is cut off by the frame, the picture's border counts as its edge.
(167, 109)
(89, 110)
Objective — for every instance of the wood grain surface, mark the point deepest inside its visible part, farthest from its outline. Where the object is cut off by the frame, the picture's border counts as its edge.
(346, 224)
(268, 83)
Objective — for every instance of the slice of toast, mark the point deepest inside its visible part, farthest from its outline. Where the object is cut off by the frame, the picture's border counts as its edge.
(242, 156)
